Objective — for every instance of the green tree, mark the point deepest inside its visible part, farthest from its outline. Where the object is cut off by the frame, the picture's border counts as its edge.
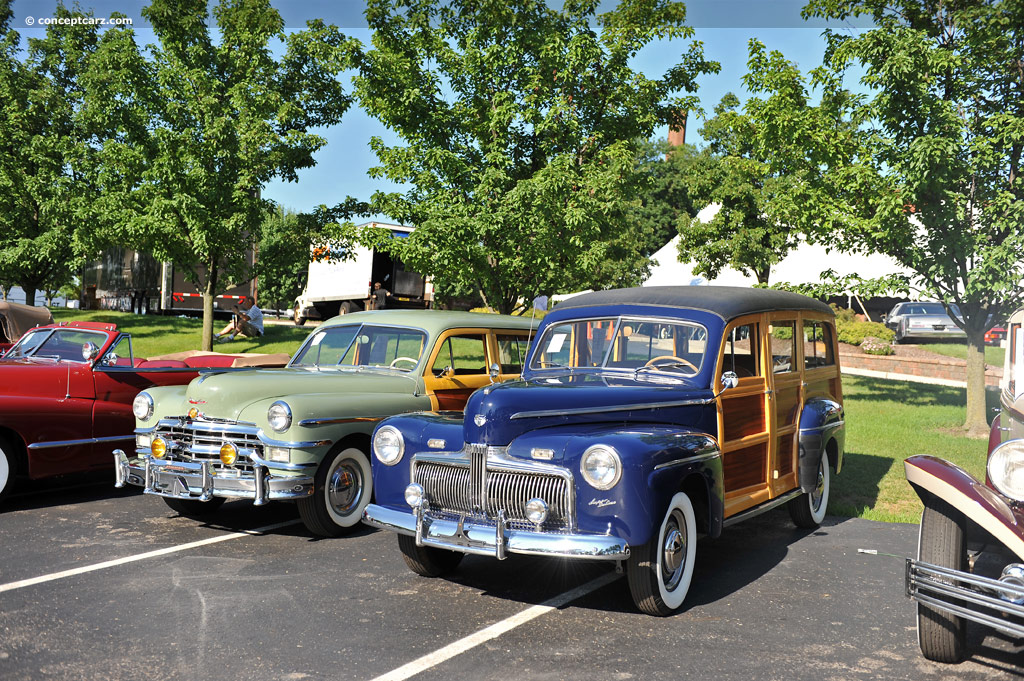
(762, 166)
(227, 116)
(666, 198)
(282, 259)
(931, 175)
(44, 152)
(519, 124)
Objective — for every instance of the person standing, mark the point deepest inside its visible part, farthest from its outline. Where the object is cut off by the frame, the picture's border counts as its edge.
(379, 296)
(247, 321)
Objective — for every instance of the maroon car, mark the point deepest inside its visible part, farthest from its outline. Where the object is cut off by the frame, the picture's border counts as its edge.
(66, 394)
(970, 561)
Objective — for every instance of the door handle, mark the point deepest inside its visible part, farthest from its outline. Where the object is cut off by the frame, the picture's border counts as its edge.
(769, 393)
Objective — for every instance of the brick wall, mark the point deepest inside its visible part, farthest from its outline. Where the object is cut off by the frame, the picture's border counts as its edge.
(946, 369)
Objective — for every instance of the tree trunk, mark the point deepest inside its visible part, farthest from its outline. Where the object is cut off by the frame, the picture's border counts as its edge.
(30, 294)
(209, 294)
(976, 423)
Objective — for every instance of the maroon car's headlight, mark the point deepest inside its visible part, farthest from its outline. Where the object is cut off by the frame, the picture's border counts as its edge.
(1006, 469)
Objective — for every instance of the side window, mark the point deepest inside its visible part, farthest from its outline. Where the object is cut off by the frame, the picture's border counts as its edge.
(741, 351)
(818, 346)
(465, 354)
(512, 353)
(782, 336)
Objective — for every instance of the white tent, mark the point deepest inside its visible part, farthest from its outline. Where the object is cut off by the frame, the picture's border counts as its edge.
(803, 265)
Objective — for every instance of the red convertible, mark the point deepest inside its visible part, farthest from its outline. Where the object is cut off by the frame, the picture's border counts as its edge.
(66, 394)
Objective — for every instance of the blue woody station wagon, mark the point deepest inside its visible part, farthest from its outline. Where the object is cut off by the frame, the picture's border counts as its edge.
(644, 417)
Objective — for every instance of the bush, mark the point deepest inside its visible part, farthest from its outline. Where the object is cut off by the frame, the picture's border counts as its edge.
(876, 346)
(851, 330)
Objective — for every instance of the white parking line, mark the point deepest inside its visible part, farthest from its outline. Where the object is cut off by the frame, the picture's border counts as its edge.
(142, 556)
(495, 630)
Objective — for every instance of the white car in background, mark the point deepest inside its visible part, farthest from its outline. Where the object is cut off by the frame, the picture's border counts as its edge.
(924, 320)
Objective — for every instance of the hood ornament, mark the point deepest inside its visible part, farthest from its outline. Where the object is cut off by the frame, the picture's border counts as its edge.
(479, 420)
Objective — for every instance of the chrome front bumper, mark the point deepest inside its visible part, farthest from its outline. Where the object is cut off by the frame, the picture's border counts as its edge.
(487, 538)
(197, 480)
(973, 597)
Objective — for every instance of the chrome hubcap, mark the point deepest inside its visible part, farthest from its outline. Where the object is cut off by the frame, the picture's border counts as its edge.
(819, 488)
(344, 487)
(673, 551)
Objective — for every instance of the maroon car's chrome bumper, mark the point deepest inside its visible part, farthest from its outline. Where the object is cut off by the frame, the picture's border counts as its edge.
(991, 602)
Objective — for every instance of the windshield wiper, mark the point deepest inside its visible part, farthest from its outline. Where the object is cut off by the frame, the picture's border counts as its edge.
(665, 365)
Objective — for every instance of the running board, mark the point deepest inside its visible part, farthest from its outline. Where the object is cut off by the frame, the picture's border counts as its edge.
(766, 506)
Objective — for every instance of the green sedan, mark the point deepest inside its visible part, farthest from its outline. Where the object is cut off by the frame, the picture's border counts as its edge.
(302, 433)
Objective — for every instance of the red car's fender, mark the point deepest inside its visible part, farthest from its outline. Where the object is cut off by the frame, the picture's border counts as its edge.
(974, 499)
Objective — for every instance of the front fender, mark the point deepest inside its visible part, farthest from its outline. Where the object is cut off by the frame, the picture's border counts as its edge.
(657, 462)
(930, 475)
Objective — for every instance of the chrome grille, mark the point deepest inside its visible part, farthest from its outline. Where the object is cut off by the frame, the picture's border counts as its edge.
(474, 486)
(192, 444)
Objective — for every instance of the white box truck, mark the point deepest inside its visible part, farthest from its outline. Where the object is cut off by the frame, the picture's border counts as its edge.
(336, 286)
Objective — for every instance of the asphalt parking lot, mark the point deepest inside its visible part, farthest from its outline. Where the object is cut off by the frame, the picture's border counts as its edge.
(97, 583)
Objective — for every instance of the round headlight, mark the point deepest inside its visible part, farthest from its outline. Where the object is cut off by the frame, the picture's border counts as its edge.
(158, 448)
(228, 453)
(601, 466)
(388, 445)
(1006, 469)
(536, 511)
(279, 416)
(142, 406)
(414, 495)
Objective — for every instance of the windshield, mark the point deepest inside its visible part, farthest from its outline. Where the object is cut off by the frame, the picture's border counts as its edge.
(623, 343)
(362, 345)
(63, 344)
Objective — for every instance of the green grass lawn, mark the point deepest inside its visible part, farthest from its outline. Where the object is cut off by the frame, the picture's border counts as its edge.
(993, 355)
(159, 335)
(887, 421)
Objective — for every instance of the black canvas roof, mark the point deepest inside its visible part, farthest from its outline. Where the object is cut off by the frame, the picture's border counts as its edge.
(728, 302)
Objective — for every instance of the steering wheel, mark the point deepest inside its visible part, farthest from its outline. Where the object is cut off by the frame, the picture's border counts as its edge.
(396, 360)
(654, 361)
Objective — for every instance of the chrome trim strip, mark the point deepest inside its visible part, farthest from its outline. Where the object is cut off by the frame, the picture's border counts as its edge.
(483, 539)
(86, 441)
(617, 407)
(827, 426)
(766, 506)
(694, 459)
(331, 421)
(228, 429)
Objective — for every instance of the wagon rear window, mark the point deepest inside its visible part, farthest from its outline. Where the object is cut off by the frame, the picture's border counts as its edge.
(622, 343)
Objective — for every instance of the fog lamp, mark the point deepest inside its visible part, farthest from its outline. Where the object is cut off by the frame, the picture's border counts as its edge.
(536, 511)
(228, 453)
(193, 413)
(143, 441)
(414, 495)
(159, 448)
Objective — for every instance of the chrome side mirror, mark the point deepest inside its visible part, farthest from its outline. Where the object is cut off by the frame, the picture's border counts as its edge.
(729, 380)
(89, 351)
(494, 372)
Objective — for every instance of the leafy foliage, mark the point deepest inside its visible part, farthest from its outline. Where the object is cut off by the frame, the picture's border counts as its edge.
(224, 118)
(756, 167)
(666, 197)
(519, 123)
(54, 140)
(927, 168)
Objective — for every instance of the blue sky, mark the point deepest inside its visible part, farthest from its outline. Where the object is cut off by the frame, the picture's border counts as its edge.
(724, 26)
